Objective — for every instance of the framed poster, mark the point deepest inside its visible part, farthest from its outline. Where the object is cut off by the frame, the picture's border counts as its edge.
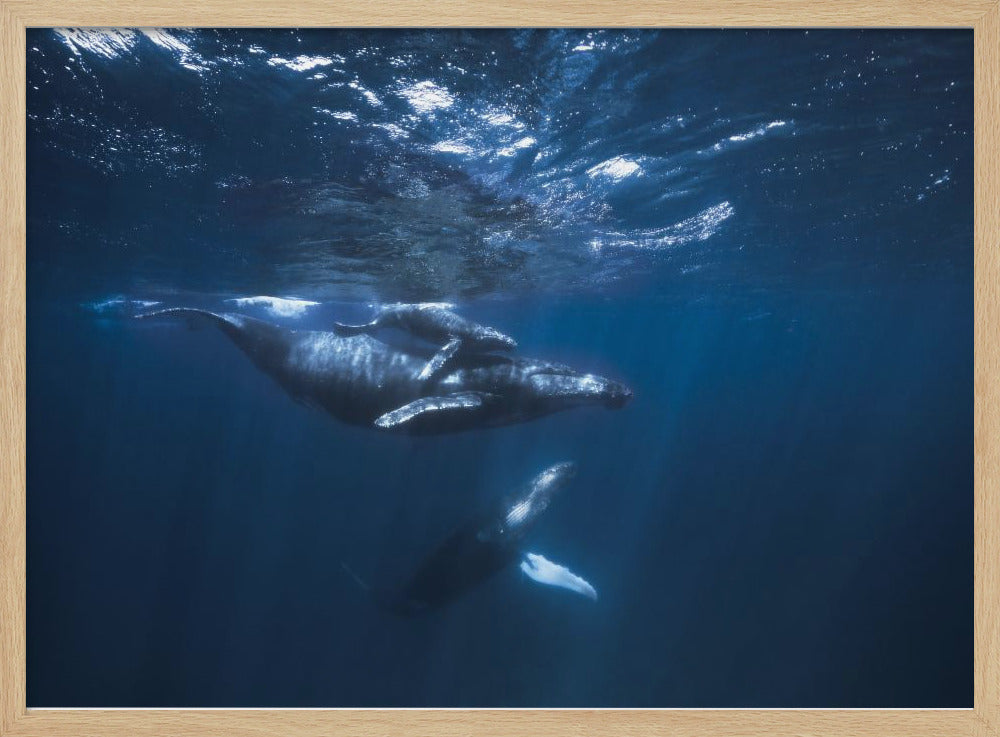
(507, 370)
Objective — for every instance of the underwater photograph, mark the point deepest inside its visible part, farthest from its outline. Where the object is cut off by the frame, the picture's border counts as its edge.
(516, 368)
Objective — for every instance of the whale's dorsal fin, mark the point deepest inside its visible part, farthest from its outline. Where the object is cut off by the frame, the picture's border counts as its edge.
(440, 359)
(458, 402)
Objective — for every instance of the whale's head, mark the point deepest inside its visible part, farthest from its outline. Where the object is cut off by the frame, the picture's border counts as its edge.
(521, 512)
(566, 388)
(615, 394)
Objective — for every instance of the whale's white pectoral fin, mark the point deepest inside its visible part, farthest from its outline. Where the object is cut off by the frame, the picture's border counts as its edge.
(440, 359)
(458, 402)
(540, 569)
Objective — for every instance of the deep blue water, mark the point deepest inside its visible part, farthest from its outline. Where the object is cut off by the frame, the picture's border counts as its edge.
(766, 235)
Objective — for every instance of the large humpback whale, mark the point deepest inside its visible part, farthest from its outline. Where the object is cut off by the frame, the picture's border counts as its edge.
(364, 381)
(480, 548)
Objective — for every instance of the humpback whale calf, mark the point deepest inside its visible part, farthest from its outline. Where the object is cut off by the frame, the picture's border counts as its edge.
(477, 550)
(436, 323)
(364, 381)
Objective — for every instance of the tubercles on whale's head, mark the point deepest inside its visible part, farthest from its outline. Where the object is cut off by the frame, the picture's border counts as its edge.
(616, 394)
(572, 389)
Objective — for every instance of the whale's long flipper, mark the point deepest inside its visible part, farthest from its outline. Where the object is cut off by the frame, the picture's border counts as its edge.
(539, 568)
(440, 360)
(458, 402)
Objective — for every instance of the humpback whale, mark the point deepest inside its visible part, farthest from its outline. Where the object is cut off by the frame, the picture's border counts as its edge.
(363, 381)
(436, 323)
(477, 550)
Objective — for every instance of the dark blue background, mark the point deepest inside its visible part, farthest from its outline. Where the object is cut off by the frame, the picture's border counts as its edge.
(783, 515)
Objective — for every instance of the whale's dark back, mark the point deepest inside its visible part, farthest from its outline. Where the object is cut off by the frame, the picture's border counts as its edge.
(468, 557)
(265, 343)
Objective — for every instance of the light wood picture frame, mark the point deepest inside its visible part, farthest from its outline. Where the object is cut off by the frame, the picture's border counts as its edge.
(16, 16)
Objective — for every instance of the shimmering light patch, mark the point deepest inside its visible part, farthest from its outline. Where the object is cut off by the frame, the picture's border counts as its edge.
(590, 42)
(938, 183)
(187, 58)
(539, 568)
(502, 119)
(516, 146)
(107, 42)
(112, 149)
(414, 189)
(303, 63)
(338, 114)
(615, 169)
(280, 306)
(426, 97)
(111, 43)
(166, 40)
(370, 97)
(703, 225)
(749, 135)
(452, 147)
(392, 129)
(700, 227)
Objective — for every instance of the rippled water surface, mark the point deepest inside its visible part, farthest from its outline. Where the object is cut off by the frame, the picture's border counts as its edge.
(766, 235)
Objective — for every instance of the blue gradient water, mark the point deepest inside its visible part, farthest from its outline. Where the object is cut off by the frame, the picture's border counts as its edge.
(767, 235)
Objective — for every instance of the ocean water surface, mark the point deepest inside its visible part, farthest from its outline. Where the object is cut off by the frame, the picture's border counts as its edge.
(767, 235)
